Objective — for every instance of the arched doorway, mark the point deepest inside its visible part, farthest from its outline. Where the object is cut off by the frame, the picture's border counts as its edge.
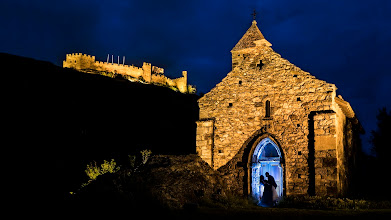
(266, 157)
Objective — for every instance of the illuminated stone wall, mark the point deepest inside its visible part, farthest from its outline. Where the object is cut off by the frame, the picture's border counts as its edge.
(205, 140)
(149, 73)
(305, 119)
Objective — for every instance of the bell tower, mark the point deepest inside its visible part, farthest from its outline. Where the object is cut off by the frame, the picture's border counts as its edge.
(252, 40)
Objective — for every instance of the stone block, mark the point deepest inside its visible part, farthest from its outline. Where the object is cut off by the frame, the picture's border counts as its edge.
(325, 142)
(329, 162)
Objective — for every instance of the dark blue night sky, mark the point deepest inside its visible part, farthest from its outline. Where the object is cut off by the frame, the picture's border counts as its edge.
(345, 42)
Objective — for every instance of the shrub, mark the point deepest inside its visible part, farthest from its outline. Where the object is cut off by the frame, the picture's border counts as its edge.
(318, 202)
(109, 167)
(191, 89)
(93, 170)
(174, 88)
(145, 155)
(132, 160)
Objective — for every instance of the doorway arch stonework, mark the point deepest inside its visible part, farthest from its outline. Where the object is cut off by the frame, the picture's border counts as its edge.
(237, 172)
(266, 157)
(254, 148)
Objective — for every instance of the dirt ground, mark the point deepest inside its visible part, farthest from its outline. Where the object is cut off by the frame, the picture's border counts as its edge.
(281, 213)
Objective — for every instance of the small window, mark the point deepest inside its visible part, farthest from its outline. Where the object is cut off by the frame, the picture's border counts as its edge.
(220, 151)
(298, 99)
(299, 176)
(230, 104)
(298, 125)
(295, 76)
(299, 153)
(267, 115)
(240, 82)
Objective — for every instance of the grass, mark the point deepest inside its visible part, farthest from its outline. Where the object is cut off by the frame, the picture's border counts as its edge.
(305, 207)
(327, 203)
(279, 213)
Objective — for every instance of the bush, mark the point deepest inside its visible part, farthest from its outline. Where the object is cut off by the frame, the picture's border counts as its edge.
(132, 161)
(145, 154)
(93, 170)
(191, 89)
(318, 202)
(109, 167)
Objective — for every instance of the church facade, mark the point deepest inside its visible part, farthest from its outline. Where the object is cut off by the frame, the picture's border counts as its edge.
(268, 115)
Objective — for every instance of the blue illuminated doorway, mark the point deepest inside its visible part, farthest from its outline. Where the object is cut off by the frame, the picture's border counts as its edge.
(266, 158)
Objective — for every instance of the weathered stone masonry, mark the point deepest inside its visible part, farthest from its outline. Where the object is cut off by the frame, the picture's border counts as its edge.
(266, 96)
(148, 73)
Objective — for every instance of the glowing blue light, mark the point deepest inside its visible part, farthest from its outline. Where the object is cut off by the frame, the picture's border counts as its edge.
(266, 158)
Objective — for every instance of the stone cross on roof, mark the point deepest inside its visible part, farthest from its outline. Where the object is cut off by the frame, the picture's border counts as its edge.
(254, 14)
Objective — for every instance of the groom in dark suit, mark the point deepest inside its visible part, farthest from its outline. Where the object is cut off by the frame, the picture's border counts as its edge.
(271, 180)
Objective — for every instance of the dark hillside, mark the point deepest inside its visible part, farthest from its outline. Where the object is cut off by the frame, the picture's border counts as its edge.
(75, 117)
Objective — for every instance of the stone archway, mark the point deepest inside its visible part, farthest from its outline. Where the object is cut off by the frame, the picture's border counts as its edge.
(265, 156)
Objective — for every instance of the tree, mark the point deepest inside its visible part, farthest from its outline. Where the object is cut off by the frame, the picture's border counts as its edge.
(380, 138)
(379, 166)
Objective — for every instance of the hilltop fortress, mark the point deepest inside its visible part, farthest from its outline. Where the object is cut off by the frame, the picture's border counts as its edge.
(147, 73)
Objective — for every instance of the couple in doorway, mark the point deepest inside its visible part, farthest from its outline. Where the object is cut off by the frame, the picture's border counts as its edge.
(270, 196)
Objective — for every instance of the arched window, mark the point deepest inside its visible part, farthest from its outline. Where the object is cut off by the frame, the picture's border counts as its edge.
(267, 115)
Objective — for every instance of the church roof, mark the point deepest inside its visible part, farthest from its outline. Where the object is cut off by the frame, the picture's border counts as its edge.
(248, 40)
(345, 107)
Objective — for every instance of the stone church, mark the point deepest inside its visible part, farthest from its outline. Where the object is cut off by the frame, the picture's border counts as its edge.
(268, 115)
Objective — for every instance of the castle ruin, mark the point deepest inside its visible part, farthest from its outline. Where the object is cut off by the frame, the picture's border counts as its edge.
(268, 115)
(147, 73)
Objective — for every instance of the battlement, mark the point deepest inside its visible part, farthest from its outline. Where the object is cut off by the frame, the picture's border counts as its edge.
(79, 55)
(146, 73)
(157, 70)
(79, 61)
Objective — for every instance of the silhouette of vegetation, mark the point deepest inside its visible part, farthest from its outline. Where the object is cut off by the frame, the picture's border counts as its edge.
(79, 117)
(380, 138)
(329, 203)
(379, 166)
(145, 155)
(93, 171)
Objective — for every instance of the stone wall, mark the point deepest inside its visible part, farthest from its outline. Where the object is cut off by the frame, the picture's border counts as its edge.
(148, 73)
(238, 106)
(325, 154)
(78, 61)
(303, 117)
(205, 139)
(238, 103)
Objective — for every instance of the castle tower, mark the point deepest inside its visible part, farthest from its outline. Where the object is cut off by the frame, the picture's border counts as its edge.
(79, 61)
(182, 83)
(147, 72)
